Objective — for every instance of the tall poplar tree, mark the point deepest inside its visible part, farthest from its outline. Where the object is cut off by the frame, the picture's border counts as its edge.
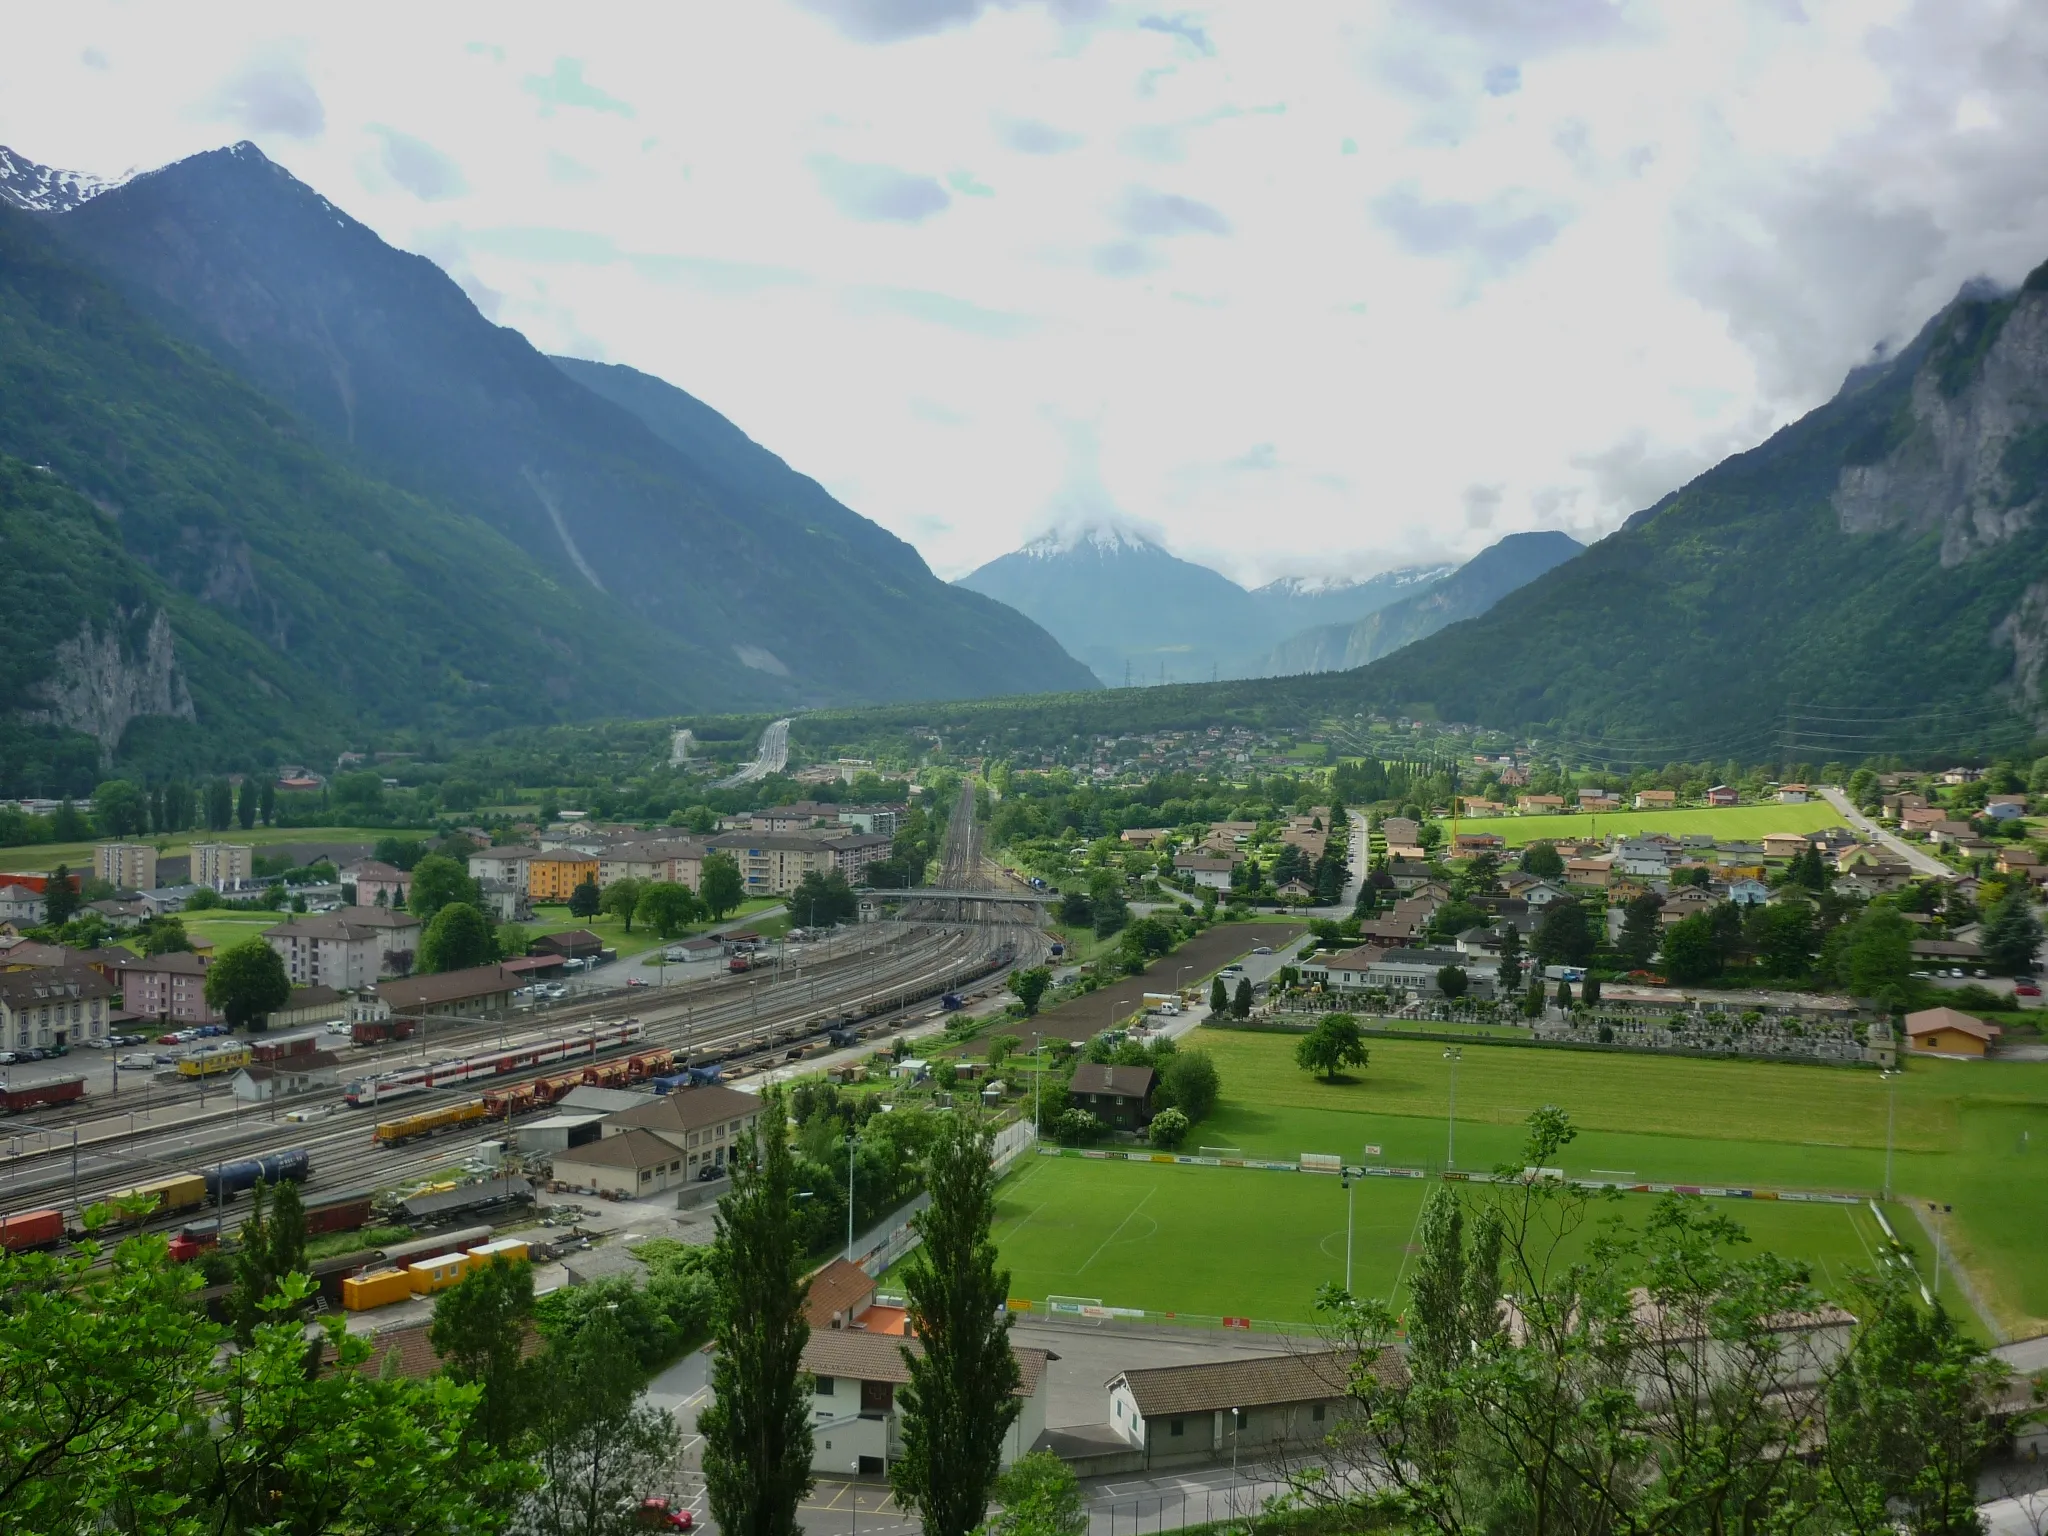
(960, 1400)
(757, 1432)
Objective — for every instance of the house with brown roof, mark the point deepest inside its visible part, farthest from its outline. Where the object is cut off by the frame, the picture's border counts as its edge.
(856, 1425)
(1656, 799)
(1120, 1097)
(1268, 1406)
(347, 949)
(838, 1296)
(1949, 1032)
(705, 1124)
(576, 944)
(260, 1082)
(1539, 805)
(53, 1005)
(1722, 795)
(479, 989)
(632, 1164)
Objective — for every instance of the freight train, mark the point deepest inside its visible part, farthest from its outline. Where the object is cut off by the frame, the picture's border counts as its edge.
(344, 1211)
(394, 1085)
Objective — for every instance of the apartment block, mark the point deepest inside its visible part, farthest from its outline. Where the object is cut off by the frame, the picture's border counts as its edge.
(126, 866)
(220, 865)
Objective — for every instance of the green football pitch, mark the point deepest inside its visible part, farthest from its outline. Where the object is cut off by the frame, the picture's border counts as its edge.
(1227, 1242)
(1735, 823)
(1971, 1136)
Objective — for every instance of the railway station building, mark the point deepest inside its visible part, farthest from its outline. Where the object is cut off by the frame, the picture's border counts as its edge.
(705, 1124)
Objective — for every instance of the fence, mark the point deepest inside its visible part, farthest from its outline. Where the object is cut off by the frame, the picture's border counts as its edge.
(1179, 1509)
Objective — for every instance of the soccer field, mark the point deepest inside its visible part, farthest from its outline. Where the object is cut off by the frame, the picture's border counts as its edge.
(1970, 1135)
(1227, 1242)
(1740, 823)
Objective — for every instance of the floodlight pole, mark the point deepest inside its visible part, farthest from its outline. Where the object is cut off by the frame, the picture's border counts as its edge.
(1350, 1206)
(1453, 1055)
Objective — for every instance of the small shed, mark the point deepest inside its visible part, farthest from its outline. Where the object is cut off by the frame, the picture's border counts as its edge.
(1950, 1032)
(576, 944)
(558, 1134)
(287, 1076)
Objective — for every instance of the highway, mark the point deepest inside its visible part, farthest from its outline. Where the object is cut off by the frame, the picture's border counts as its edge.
(772, 757)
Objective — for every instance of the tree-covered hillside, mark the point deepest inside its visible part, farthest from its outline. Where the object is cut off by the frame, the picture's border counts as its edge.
(304, 599)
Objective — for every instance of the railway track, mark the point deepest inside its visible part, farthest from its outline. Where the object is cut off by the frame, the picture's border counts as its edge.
(730, 1027)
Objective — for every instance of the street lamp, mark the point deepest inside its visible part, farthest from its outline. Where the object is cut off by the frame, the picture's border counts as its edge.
(1453, 1055)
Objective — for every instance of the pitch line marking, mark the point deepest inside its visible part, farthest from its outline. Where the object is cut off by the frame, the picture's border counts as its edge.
(1119, 1228)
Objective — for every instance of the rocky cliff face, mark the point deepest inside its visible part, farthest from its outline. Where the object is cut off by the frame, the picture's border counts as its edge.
(1963, 454)
(98, 682)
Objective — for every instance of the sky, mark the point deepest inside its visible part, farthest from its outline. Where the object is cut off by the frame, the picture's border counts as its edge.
(1312, 289)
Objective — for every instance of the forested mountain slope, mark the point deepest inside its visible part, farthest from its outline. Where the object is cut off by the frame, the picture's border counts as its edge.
(384, 356)
(179, 556)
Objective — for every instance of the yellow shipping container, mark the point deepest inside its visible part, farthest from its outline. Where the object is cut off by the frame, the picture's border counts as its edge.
(359, 1293)
(178, 1193)
(510, 1249)
(431, 1275)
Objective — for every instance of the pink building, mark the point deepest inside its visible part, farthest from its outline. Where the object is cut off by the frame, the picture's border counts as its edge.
(170, 989)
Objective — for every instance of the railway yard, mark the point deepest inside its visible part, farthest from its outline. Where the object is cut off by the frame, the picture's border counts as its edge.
(408, 1111)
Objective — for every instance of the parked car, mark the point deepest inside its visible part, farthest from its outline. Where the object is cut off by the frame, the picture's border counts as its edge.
(708, 1172)
(636, 981)
(8, 1058)
(169, 1039)
(137, 1063)
(164, 1059)
(2026, 989)
(1262, 949)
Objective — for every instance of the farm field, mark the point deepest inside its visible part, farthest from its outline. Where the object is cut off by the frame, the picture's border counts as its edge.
(38, 857)
(1206, 1243)
(1739, 823)
(1973, 1135)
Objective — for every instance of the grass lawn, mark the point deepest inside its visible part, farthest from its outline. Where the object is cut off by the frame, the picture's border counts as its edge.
(37, 857)
(1221, 1242)
(556, 918)
(1964, 1131)
(1740, 823)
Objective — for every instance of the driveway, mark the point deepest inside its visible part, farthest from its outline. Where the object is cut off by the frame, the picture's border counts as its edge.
(1921, 861)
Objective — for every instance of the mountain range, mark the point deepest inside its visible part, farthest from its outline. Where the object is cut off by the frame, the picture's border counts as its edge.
(1871, 579)
(300, 448)
(1465, 593)
(1135, 613)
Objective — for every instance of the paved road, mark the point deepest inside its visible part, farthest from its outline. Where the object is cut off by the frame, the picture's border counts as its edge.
(1923, 862)
(772, 757)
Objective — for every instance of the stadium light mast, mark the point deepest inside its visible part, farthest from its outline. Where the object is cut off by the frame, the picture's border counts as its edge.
(1890, 1078)
(1453, 1055)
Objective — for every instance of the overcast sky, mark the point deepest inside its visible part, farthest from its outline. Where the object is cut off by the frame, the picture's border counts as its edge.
(1300, 287)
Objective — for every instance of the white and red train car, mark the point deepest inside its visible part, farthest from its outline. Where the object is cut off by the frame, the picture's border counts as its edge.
(386, 1086)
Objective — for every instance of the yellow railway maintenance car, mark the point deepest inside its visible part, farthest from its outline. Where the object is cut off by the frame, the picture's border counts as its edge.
(180, 1192)
(428, 1122)
(213, 1060)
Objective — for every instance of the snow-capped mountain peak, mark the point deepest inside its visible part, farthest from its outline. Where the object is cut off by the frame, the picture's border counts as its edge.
(1099, 539)
(45, 189)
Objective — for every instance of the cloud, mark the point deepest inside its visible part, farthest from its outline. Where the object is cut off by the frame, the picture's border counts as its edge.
(1493, 237)
(1029, 137)
(939, 309)
(1482, 504)
(1257, 459)
(566, 87)
(879, 193)
(93, 58)
(1125, 258)
(568, 171)
(418, 167)
(1186, 28)
(271, 94)
(1503, 80)
(890, 21)
(967, 184)
(711, 275)
(1146, 212)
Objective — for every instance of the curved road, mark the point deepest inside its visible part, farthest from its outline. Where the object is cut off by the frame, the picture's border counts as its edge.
(1922, 863)
(772, 757)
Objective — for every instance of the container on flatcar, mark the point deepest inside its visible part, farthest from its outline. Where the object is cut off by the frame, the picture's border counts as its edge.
(31, 1229)
(179, 1192)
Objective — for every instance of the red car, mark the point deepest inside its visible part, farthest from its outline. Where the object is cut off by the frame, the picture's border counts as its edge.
(170, 1040)
(2027, 989)
(636, 981)
(655, 1515)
